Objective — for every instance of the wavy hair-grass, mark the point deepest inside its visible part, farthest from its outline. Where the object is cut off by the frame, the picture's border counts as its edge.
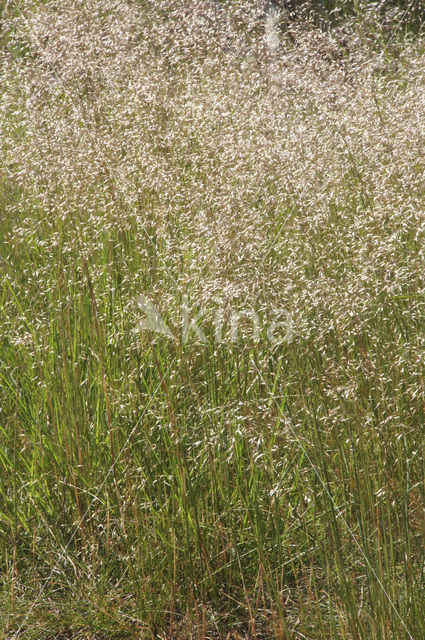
(199, 151)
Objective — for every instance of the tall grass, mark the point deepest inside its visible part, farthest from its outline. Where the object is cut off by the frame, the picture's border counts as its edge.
(204, 155)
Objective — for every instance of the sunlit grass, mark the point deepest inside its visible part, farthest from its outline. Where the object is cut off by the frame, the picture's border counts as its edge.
(165, 488)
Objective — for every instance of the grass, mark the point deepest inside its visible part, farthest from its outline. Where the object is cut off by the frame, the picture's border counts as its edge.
(234, 486)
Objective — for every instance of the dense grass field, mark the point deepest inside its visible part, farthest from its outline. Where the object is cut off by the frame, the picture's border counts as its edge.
(212, 321)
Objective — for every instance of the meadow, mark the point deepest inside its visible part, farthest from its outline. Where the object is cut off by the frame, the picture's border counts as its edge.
(212, 329)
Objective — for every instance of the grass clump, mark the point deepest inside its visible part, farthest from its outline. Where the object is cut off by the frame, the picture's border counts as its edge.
(259, 472)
